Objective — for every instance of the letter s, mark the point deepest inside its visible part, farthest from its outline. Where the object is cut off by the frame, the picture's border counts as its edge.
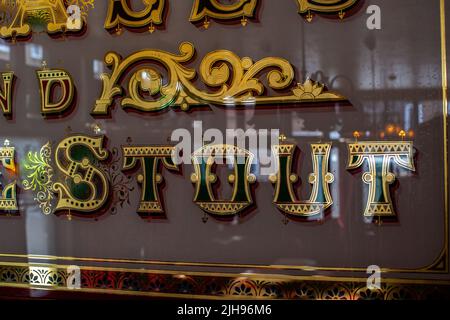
(85, 188)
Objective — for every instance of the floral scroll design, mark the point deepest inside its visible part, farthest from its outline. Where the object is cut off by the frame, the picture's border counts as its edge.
(231, 81)
(53, 17)
(39, 177)
(119, 183)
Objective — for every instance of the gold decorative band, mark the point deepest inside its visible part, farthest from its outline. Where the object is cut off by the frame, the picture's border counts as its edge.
(211, 285)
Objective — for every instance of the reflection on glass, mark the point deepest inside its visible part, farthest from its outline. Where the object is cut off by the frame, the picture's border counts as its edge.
(97, 68)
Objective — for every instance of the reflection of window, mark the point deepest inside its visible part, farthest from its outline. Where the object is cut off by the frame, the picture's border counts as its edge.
(4, 52)
(97, 68)
(34, 54)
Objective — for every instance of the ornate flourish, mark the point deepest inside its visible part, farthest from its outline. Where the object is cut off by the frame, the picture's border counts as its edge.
(39, 178)
(5, 13)
(119, 183)
(236, 81)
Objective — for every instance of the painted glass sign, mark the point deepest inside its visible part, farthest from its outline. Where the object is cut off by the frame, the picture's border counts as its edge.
(242, 148)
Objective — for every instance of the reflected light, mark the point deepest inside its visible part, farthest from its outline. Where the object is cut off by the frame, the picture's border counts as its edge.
(97, 69)
(5, 52)
(34, 54)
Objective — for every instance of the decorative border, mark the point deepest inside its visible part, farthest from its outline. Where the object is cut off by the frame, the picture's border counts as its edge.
(215, 286)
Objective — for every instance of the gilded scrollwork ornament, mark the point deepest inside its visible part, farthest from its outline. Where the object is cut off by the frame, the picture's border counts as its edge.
(235, 80)
(83, 189)
(339, 7)
(151, 159)
(120, 14)
(28, 14)
(380, 156)
(204, 160)
(216, 9)
(6, 92)
(8, 197)
(284, 180)
(49, 80)
(39, 177)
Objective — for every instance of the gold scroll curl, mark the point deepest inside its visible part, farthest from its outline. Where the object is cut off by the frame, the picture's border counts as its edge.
(232, 81)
